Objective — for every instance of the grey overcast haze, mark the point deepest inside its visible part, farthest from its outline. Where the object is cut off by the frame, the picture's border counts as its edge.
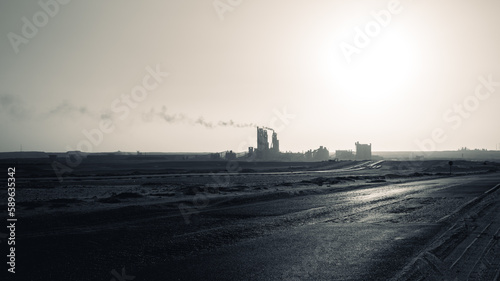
(198, 76)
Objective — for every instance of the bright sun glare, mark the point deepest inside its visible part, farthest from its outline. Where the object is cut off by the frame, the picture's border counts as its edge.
(381, 73)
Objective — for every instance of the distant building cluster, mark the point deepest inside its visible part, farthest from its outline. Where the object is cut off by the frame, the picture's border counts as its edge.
(363, 152)
(271, 151)
(320, 154)
(266, 151)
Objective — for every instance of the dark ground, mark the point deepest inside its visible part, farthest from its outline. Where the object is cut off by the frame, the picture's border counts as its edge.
(352, 221)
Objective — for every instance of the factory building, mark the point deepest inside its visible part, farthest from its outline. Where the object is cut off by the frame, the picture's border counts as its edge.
(271, 152)
(262, 143)
(263, 150)
(363, 151)
(275, 144)
(320, 154)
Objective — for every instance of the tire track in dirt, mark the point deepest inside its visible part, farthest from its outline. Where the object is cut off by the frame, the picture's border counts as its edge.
(468, 250)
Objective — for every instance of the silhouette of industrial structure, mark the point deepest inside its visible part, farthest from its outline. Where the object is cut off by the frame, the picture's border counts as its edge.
(275, 145)
(320, 154)
(264, 151)
(363, 151)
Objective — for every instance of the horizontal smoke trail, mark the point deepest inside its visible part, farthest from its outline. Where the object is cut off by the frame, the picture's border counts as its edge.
(182, 118)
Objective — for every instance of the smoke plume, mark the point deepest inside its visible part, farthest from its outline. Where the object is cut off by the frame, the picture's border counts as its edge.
(175, 118)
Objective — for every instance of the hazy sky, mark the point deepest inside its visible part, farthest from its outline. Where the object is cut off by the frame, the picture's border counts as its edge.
(402, 75)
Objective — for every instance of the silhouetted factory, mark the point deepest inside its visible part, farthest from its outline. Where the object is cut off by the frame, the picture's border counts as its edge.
(270, 151)
(264, 151)
(363, 152)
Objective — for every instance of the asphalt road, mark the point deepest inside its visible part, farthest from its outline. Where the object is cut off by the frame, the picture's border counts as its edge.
(367, 234)
(370, 232)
